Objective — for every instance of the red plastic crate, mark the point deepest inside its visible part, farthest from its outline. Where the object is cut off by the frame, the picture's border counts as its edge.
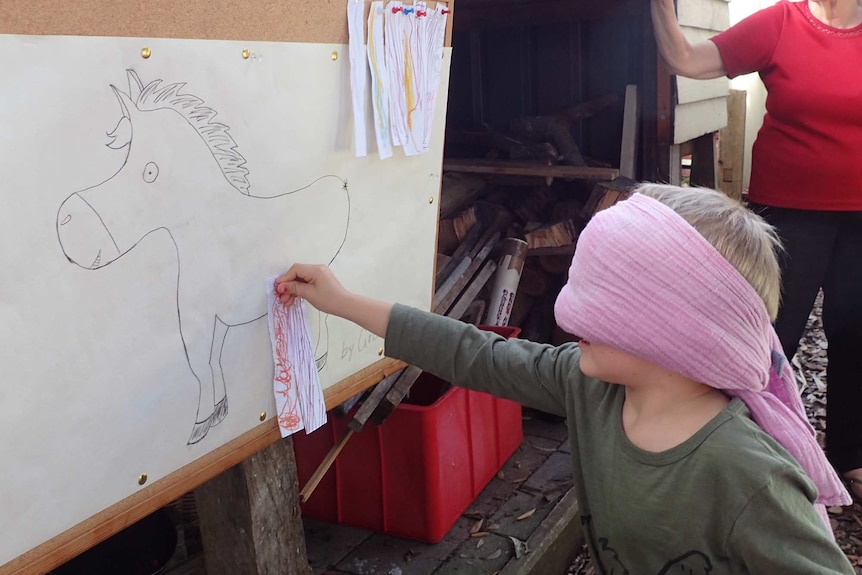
(414, 475)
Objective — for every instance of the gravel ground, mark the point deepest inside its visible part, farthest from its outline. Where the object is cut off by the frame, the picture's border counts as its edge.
(810, 362)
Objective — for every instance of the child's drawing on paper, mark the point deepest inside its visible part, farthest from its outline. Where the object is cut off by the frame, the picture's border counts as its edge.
(181, 174)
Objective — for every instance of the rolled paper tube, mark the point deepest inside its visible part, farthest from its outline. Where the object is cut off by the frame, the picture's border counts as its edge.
(506, 280)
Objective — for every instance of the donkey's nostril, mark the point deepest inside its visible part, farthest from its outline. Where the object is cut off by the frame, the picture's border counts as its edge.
(66, 220)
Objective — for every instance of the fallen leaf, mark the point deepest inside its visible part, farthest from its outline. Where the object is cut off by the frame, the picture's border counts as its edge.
(477, 526)
(520, 547)
(479, 534)
(526, 515)
(480, 543)
(494, 555)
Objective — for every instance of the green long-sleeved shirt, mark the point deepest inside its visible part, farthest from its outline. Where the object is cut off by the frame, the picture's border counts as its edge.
(729, 500)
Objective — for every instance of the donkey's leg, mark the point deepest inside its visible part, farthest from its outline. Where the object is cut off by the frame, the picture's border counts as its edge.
(198, 341)
(219, 388)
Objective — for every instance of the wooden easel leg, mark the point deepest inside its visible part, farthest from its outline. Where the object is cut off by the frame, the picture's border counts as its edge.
(249, 517)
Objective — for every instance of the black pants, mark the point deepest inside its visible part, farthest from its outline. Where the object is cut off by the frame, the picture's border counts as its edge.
(824, 250)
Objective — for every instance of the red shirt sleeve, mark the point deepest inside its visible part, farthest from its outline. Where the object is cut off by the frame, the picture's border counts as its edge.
(748, 46)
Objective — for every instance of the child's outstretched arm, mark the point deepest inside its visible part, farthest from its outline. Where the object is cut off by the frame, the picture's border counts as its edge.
(536, 375)
(317, 285)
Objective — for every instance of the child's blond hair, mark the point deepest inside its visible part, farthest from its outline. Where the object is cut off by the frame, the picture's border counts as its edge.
(744, 239)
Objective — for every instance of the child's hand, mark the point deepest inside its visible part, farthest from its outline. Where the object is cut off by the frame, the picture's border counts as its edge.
(314, 283)
(318, 286)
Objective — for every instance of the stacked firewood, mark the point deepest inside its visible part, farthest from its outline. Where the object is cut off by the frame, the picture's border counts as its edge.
(476, 215)
(527, 180)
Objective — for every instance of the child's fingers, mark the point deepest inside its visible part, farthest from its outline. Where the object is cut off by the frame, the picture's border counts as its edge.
(298, 272)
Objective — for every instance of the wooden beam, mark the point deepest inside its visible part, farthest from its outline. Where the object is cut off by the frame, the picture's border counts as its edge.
(528, 169)
(731, 146)
(324, 466)
(629, 145)
(250, 518)
(356, 383)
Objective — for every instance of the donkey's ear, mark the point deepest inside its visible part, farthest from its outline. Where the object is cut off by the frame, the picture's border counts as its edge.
(121, 135)
(135, 85)
(125, 102)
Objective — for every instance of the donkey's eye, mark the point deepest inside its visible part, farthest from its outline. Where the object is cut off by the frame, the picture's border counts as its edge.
(151, 172)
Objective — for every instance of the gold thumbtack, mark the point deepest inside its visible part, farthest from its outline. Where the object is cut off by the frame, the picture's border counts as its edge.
(334, 56)
(262, 415)
(145, 52)
(431, 200)
(380, 351)
(245, 54)
(142, 479)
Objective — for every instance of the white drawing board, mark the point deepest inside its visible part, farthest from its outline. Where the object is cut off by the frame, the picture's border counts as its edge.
(143, 205)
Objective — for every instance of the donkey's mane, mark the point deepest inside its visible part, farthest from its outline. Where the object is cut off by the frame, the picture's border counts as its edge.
(215, 134)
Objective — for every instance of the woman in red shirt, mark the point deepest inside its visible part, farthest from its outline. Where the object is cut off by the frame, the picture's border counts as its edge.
(805, 178)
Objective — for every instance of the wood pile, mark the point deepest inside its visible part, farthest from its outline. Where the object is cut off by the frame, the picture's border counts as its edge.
(529, 181)
(476, 215)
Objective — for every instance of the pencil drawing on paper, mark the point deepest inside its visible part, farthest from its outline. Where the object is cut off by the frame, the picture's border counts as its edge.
(182, 175)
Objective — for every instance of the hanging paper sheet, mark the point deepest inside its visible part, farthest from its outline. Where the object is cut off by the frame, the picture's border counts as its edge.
(298, 397)
(379, 80)
(358, 73)
(414, 37)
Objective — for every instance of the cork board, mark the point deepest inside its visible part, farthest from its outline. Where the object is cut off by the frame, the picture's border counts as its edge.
(318, 22)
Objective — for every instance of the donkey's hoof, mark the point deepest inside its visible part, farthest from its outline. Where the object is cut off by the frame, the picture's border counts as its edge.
(220, 412)
(199, 431)
(321, 361)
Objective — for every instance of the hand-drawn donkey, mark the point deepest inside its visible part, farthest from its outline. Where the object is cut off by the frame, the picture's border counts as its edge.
(183, 175)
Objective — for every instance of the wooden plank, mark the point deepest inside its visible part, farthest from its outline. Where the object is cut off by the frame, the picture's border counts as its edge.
(528, 169)
(248, 513)
(396, 394)
(675, 165)
(473, 289)
(463, 249)
(446, 303)
(450, 281)
(705, 14)
(689, 90)
(359, 382)
(629, 144)
(324, 466)
(731, 156)
(699, 118)
(368, 406)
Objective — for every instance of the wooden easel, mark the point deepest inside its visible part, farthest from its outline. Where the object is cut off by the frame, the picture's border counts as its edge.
(253, 481)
